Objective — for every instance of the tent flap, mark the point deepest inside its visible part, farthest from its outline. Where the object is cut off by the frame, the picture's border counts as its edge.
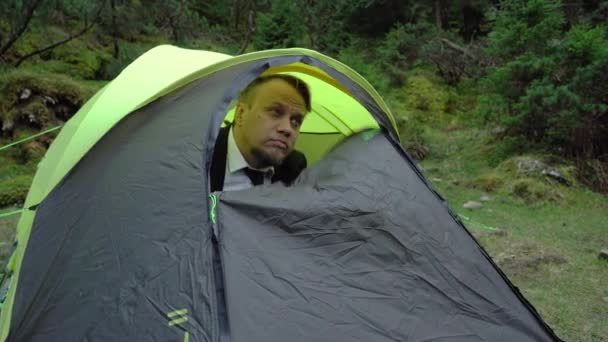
(368, 254)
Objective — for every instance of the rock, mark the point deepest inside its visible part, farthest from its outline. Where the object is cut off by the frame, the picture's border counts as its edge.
(533, 166)
(436, 179)
(555, 174)
(48, 100)
(606, 299)
(7, 125)
(472, 205)
(25, 94)
(530, 166)
(484, 198)
(603, 254)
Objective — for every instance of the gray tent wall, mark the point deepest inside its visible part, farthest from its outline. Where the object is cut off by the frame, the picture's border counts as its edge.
(360, 249)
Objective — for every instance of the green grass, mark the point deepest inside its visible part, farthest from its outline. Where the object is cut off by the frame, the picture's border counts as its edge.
(8, 227)
(551, 246)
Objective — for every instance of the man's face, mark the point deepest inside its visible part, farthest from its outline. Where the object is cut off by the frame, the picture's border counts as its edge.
(268, 123)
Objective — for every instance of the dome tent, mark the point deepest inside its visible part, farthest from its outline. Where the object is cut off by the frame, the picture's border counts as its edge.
(123, 235)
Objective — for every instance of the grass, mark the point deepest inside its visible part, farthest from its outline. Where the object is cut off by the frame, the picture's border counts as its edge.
(8, 227)
(549, 247)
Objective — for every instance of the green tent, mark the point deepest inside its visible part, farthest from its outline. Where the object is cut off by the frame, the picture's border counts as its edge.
(121, 234)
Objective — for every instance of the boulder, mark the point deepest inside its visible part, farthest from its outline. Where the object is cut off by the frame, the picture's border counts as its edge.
(603, 254)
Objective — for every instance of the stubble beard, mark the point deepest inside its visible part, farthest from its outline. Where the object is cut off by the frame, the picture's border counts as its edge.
(265, 159)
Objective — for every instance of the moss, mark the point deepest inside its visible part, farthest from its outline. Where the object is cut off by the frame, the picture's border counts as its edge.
(13, 191)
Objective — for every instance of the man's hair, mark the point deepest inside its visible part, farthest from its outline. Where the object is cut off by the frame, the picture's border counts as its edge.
(296, 83)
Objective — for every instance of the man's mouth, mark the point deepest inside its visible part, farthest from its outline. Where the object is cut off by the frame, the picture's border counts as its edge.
(278, 143)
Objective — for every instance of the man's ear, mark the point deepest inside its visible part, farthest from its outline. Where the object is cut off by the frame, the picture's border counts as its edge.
(239, 112)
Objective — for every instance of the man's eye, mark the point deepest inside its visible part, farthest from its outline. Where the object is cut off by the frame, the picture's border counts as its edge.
(296, 122)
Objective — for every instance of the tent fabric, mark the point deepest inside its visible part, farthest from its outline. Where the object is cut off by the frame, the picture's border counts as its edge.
(366, 255)
(128, 244)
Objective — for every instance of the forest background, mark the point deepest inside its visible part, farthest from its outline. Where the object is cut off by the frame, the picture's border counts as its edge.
(503, 104)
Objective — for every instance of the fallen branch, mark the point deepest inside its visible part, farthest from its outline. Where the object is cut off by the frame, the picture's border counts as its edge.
(63, 41)
(456, 47)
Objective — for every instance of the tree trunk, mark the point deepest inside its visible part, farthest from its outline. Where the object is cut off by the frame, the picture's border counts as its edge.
(438, 15)
(116, 53)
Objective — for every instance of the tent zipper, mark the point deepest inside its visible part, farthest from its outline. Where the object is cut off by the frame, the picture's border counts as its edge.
(215, 258)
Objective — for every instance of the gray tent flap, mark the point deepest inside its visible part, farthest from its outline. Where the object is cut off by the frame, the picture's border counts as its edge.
(360, 250)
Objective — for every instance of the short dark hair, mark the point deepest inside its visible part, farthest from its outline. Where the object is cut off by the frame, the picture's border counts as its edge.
(300, 86)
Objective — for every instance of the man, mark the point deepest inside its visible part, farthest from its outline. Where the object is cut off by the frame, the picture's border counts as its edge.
(258, 147)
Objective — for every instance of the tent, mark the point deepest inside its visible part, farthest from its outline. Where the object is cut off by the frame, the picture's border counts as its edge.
(122, 240)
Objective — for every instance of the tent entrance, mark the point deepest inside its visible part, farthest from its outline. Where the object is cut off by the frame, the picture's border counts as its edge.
(335, 113)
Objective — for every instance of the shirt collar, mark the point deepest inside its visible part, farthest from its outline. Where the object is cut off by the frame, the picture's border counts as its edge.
(235, 158)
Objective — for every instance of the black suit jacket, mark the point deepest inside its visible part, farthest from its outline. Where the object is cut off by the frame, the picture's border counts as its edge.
(291, 168)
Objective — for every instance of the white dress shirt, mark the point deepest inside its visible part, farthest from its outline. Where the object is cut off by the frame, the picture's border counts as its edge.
(235, 177)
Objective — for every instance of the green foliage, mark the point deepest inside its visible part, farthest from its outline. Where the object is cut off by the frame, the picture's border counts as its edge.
(398, 52)
(279, 28)
(550, 89)
(529, 26)
(354, 57)
(425, 96)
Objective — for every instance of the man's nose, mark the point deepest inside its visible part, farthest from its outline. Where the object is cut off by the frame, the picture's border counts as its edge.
(285, 127)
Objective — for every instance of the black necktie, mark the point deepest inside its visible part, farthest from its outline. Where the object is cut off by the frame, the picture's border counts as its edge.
(257, 177)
